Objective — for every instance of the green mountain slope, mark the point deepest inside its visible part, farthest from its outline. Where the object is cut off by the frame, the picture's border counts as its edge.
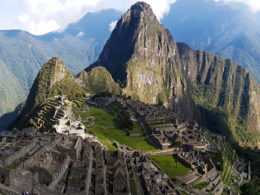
(24, 54)
(98, 81)
(11, 92)
(150, 66)
(53, 79)
(216, 29)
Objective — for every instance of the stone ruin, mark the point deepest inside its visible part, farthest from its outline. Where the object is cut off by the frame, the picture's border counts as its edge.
(146, 111)
(203, 168)
(71, 165)
(170, 135)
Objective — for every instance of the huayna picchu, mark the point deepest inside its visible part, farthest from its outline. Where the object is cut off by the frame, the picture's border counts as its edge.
(151, 67)
(150, 116)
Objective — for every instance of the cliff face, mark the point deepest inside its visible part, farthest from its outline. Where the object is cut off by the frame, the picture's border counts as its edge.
(218, 83)
(141, 55)
(150, 66)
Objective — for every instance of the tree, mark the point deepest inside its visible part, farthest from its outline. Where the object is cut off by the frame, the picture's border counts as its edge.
(249, 189)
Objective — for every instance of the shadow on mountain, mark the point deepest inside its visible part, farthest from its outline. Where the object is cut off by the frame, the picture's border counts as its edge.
(7, 118)
(215, 120)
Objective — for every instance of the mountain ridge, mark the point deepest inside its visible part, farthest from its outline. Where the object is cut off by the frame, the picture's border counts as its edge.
(157, 69)
(216, 29)
(23, 54)
(53, 79)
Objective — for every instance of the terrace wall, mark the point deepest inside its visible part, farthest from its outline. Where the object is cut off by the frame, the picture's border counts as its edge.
(22, 152)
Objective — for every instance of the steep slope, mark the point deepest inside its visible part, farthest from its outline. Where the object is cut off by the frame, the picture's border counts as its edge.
(98, 81)
(11, 92)
(23, 53)
(141, 56)
(216, 29)
(150, 66)
(53, 79)
(226, 93)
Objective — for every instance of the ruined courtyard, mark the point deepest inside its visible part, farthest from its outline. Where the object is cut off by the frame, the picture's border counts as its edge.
(74, 159)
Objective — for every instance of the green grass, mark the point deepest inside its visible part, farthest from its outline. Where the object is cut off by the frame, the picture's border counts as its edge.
(136, 125)
(106, 130)
(168, 164)
(114, 108)
(227, 169)
(136, 131)
(121, 117)
(9, 140)
(133, 188)
(182, 128)
(201, 186)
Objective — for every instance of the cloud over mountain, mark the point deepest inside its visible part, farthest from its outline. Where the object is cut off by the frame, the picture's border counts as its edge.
(42, 16)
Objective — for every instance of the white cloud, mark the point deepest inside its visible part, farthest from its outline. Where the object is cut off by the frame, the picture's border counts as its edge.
(112, 25)
(80, 34)
(254, 5)
(42, 27)
(23, 18)
(160, 7)
(43, 16)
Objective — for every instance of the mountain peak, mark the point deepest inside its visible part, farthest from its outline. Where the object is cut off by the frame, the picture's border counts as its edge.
(140, 7)
(140, 12)
(55, 60)
(51, 73)
(136, 34)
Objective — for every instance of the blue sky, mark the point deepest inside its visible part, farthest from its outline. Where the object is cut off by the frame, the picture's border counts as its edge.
(42, 16)
(9, 11)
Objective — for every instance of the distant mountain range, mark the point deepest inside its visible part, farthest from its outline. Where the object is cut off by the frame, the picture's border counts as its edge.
(229, 30)
(22, 55)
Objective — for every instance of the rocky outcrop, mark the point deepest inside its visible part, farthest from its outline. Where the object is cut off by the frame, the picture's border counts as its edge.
(98, 81)
(142, 56)
(53, 79)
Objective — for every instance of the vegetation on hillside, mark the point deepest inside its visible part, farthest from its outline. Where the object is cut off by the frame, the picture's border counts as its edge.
(67, 86)
(53, 79)
(108, 125)
(201, 186)
(11, 94)
(99, 81)
(170, 165)
(222, 119)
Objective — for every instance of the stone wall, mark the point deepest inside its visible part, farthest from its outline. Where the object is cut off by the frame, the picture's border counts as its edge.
(9, 191)
(59, 172)
(4, 176)
(155, 142)
(21, 183)
(184, 161)
(78, 148)
(88, 179)
(27, 164)
(22, 152)
(74, 152)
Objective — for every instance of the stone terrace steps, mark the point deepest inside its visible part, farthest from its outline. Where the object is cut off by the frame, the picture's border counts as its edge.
(45, 117)
(189, 177)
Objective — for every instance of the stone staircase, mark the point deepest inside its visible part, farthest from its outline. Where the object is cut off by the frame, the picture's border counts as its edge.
(47, 115)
